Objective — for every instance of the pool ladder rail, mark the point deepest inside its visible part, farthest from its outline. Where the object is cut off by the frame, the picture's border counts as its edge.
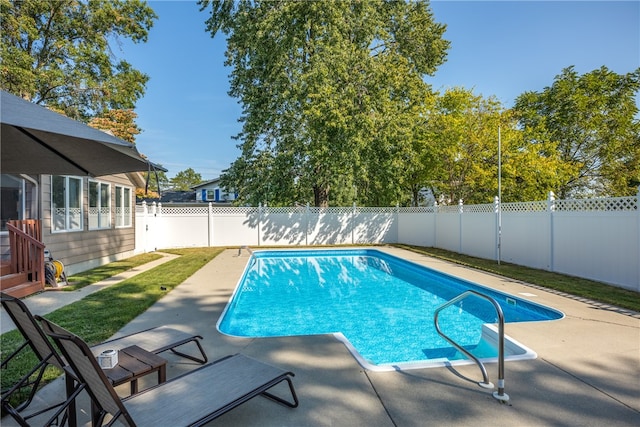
(500, 394)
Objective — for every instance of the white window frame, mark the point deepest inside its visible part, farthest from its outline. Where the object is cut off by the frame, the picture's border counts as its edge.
(124, 211)
(99, 215)
(67, 215)
(27, 207)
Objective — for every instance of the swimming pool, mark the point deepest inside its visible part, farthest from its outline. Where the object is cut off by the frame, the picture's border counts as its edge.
(379, 305)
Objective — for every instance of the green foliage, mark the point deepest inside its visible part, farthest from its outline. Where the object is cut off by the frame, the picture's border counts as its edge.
(157, 183)
(461, 142)
(591, 120)
(57, 53)
(121, 123)
(186, 179)
(464, 131)
(332, 94)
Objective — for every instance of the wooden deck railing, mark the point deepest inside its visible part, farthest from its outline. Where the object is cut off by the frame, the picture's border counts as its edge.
(27, 249)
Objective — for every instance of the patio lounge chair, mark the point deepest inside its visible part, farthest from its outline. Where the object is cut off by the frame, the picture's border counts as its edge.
(155, 340)
(46, 354)
(192, 399)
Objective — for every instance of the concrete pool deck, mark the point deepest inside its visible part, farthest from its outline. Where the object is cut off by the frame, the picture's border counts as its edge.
(587, 372)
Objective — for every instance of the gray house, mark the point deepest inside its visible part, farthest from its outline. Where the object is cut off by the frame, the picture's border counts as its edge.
(65, 187)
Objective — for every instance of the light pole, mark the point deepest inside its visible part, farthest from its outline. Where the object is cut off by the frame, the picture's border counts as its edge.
(499, 194)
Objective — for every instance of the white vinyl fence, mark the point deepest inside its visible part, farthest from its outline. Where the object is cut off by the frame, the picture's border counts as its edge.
(597, 239)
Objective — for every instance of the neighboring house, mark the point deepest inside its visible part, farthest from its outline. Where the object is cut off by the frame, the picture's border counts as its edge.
(211, 191)
(86, 222)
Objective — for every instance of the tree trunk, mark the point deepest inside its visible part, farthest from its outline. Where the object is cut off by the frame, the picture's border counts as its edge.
(321, 196)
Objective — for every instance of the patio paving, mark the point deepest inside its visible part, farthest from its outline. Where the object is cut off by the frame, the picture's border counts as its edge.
(587, 372)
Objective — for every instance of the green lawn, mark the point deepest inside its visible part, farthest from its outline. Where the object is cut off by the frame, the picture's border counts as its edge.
(97, 274)
(584, 288)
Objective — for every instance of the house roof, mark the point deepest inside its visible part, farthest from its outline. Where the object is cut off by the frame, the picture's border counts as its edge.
(174, 197)
(207, 183)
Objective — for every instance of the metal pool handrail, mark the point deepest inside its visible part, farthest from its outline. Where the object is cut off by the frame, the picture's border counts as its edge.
(247, 248)
(500, 394)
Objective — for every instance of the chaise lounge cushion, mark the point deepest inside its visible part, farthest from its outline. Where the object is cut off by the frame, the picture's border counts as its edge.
(205, 393)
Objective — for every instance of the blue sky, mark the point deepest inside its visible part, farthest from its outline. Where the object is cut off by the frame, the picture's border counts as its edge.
(499, 48)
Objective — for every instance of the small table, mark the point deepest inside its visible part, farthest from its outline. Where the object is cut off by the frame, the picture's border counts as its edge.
(134, 363)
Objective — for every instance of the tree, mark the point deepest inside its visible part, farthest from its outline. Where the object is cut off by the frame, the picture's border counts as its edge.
(157, 181)
(121, 123)
(57, 53)
(463, 130)
(320, 83)
(592, 120)
(185, 180)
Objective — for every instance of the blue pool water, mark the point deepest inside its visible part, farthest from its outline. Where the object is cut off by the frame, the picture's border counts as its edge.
(380, 305)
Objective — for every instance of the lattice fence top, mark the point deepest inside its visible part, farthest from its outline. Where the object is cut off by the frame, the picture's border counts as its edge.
(284, 210)
(186, 210)
(417, 209)
(585, 205)
(449, 209)
(336, 210)
(485, 208)
(539, 206)
(598, 204)
(386, 210)
(330, 210)
(229, 210)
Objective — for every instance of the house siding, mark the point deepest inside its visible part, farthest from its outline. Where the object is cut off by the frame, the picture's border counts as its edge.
(85, 249)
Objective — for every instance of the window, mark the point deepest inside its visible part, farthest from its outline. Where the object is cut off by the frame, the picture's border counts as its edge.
(99, 205)
(210, 195)
(66, 203)
(18, 199)
(123, 206)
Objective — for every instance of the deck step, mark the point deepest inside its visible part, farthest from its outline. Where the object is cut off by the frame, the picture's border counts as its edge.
(11, 280)
(5, 268)
(18, 285)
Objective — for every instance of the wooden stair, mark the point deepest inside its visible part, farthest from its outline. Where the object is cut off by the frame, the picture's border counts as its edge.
(17, 284)
(5, 268)
(23, 274)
